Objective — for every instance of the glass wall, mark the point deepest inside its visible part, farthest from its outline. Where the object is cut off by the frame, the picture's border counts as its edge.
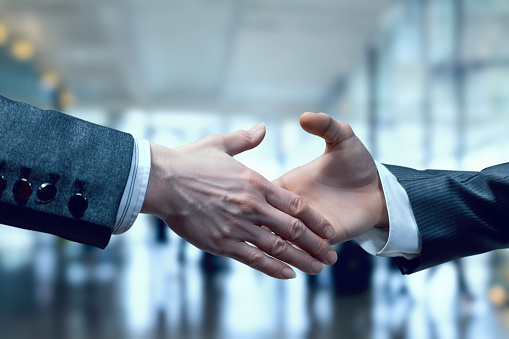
(432, 90)
(428, 89)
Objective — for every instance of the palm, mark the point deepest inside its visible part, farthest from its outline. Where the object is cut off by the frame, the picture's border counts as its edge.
(343, 183)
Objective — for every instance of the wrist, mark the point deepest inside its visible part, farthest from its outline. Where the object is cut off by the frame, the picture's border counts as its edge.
(155, 187)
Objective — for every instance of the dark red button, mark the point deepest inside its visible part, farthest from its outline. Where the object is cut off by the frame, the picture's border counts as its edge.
(46, 192)
(22, 189)
(78, 204)
(3, 183)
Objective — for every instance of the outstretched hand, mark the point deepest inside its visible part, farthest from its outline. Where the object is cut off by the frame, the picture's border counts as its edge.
(218, 204)
(343, 183)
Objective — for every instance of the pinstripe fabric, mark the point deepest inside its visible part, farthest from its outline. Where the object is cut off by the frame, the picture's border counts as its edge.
(84, 157)
(458, 213)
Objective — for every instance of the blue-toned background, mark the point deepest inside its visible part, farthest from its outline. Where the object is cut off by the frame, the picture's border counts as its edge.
(423, 83)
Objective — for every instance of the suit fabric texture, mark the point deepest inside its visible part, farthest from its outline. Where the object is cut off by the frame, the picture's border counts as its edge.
(458, 213)
(77, 157)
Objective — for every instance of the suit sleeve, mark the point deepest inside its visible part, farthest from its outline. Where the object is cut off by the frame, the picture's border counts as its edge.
(86, 167)
(458, 213)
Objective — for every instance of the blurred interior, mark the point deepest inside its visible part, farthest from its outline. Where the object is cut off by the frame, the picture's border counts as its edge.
(423, 83)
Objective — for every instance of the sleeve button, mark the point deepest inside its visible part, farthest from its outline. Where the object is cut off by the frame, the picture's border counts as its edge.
(22, 189)
(46, 192)
(78, 204)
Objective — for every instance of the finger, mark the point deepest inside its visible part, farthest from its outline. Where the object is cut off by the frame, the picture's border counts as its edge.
(324, 126)
(279, 182)
(292, 204)
(240, 141)
(293, 245)
(296, 232)
(280, 249)
(255, 258)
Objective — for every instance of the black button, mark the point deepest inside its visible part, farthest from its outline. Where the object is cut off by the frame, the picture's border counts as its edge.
(22, 189)
(78, 204)
(46, 192)
(3, 183)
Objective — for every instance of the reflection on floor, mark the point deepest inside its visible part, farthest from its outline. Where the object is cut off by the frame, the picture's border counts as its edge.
(139, 290)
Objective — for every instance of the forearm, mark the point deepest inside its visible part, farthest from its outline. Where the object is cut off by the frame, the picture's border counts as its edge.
(458, 213)
(76, 157)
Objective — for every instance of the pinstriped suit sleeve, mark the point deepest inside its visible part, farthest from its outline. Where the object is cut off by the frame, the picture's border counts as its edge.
(458, 213)
(77, 157)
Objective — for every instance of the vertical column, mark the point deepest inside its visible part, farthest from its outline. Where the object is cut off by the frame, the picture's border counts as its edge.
(373, 102)
(426, 108)
(459, 79)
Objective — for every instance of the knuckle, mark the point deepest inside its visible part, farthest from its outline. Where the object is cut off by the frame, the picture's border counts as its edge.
(228, 231)
(222, 248)
(297, 206)
(342, 132)
(217, 243)
(252, 179)
(345, 129)
(297, 230)
(255, 259)
(214, 138)
(321, 249)
(244, 134)
(223, 141)
(278, 246)
(247, 205)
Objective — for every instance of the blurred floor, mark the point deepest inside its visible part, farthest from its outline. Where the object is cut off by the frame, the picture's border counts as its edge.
(131, 290)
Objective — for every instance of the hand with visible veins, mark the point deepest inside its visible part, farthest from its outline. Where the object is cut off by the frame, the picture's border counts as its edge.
(217, 204)
(343, 183)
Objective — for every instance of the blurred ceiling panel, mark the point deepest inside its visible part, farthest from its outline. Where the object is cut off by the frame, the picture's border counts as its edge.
(133, 52)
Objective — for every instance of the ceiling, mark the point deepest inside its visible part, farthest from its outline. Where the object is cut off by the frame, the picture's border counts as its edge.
(168, 53)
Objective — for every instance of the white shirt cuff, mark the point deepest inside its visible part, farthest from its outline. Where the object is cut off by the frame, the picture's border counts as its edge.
(403, 238)
(136, 187)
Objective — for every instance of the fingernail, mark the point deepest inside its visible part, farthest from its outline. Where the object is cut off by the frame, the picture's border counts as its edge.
(329, 232)
(331, 257)
(288, 273)
(317, 267)
(258, 127)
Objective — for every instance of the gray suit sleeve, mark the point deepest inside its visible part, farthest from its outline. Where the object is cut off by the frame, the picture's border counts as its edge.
(77, 157)
(458, 213)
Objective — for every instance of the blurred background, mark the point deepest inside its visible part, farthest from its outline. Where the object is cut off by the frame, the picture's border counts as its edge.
(424, 84)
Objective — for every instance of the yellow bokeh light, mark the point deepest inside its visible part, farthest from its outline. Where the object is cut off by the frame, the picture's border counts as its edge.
(22, 50)
(3, 34)
(50, 79)
(497, 295)
(66, 99)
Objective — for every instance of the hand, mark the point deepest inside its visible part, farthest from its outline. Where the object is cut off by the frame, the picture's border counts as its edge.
(217, 204)
(342, 184)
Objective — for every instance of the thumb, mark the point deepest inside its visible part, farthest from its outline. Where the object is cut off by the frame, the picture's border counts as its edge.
(324, 126)
(240, 141)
